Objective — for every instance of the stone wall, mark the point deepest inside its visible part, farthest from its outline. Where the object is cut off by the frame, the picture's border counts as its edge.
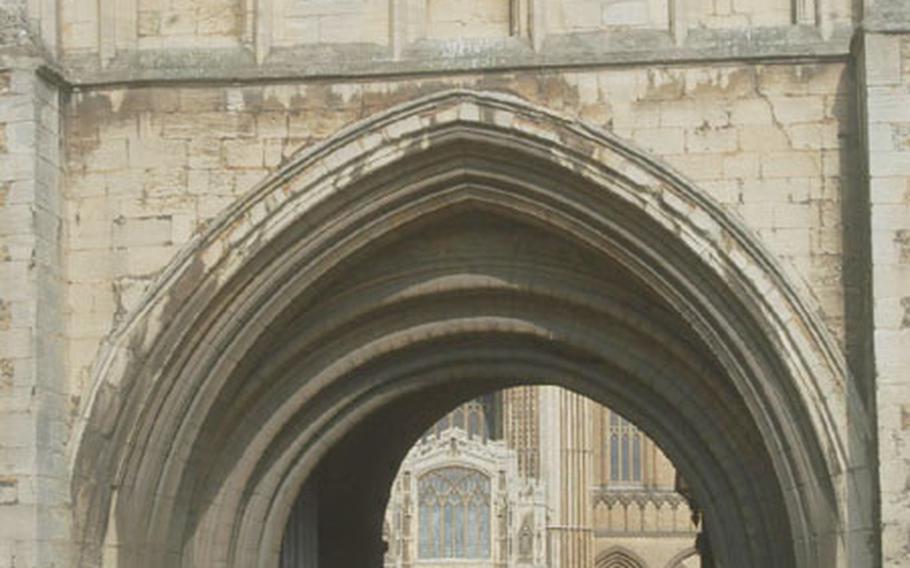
(173, 110)
(149, 167)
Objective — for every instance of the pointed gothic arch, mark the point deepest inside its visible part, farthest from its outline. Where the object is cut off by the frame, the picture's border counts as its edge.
(234, 337)
(619, 557)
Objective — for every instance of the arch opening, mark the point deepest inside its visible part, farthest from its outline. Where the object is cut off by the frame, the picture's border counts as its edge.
(549, 485)
(456, 245)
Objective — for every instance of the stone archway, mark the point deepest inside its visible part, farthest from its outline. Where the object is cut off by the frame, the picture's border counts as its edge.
(312, 317)
(618, 557)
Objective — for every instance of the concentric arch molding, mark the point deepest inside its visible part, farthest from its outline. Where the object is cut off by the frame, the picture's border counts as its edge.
(127, 378)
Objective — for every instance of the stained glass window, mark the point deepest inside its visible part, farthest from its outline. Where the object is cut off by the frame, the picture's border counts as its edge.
(454, 514)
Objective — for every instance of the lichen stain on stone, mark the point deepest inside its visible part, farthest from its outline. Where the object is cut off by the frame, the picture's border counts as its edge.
(88, 111)
(391, 94)
(7, 372)
(6, 315)
(723, 82)
(96, 104)
(557, 93)
(523, 85)
(902, 240)
(905, 305)
(663, 85)
(9, 492)
(319, 96)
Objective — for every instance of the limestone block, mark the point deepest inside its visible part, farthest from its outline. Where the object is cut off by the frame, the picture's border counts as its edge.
(177, 23)
(632, 13)
(791, 215)
(890, 190)
(140, 231)
(203, 153)
(163, 181)
(762, 138)
(742, 165)
(803, 79)
(778, 190)
(813, 136)
(149, 151)
(725, 191)
(888, 164)
(887, 104)
(149, 260)
(211, 124)
(148, 23)
(272, 124)
(110, 154)
(273, 153)
(797, 109)
(16, 220)
(89, 265)
(715, 140)
(450, 19)
(883, 59)
(692, 114)
(699, 167)
(219, 18)
(751, 111)
(660, 140)
(790, 164)
(201, 100)
(241, 154)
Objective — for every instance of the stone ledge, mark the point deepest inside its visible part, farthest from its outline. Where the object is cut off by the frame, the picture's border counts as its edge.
(337, 62)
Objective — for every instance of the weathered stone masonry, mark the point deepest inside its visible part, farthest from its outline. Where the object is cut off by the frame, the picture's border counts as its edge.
(128, 128)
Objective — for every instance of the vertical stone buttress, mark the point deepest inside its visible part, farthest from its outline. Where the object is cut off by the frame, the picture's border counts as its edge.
(34, 484)
(567, 466)
(884, 90)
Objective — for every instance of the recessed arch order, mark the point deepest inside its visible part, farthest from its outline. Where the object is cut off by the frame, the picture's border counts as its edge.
(459, 243)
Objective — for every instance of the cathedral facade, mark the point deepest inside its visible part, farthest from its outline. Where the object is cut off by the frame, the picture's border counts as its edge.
(538, 477)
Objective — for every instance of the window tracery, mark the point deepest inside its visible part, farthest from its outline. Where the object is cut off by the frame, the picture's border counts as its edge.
(625, 451)
(454, 514)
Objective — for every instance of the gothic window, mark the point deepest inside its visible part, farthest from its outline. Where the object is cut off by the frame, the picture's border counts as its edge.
(625, 451)
(454, 514)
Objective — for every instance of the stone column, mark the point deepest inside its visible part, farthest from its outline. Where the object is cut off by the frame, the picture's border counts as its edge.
(567, 466)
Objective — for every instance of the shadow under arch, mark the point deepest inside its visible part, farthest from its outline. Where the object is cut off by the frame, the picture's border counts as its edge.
(235, 350)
